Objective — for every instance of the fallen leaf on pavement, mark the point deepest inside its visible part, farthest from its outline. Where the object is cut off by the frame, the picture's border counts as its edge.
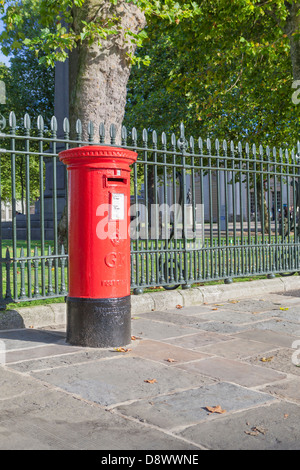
(170, 360)
(266, 359)
(251, 433)
(150, 381)
(283, 308)
(178, 306)
(123, 350)
(256, 430)
(215, 409)
(214, 309)
(135, 337)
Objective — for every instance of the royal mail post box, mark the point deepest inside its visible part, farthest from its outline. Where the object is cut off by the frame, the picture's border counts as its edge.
(98, 302)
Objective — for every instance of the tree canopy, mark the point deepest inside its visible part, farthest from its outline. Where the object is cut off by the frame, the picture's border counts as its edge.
(58, 33)
(226, 73)
(225, 69)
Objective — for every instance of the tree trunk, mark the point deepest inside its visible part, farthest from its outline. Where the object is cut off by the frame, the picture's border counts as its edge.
(292, 26)
(99, 74)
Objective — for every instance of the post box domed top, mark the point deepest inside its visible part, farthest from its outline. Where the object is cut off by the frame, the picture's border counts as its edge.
(98, 156)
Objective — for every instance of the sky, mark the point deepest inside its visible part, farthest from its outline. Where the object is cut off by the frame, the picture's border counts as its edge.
(3, 58)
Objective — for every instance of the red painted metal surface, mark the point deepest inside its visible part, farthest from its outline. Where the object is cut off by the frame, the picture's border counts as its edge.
(98, 214)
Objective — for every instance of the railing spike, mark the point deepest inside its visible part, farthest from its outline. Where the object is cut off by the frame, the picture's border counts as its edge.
(40, 123)
(12, 119)
(53, 124)
(27, 121)
(66, 125)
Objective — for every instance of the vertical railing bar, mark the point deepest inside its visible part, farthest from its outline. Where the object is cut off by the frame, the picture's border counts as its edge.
(165, 229)
(218, 182)
(177, 208)
(36, 292)
(155, 200)
(211, 235)
(183, 146)
(66, 139)
(275, 213)
(8, 295)
(227, 249)
(50, 262)
(232, 152)
(146, 202)
(201, 176)
(13, 197)
(22, 273)
(240, 157)
(194, 215)
(42, 202)
(254, 179)
(55, 222)
(135, 195)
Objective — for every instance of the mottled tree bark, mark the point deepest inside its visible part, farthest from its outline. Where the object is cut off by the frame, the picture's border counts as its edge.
(292, 26)
(99, 74)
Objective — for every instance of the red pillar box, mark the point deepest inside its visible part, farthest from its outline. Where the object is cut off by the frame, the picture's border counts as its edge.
(98, 303)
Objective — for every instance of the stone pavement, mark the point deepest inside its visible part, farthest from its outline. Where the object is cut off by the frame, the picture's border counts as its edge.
(219, 375)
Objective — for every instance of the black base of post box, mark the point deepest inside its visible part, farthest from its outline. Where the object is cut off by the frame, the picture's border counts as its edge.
(99, 323)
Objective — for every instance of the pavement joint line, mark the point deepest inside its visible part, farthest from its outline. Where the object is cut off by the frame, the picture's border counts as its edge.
(61, 366)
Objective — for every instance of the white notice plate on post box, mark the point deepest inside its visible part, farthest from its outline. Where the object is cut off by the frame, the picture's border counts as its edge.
(117, 210)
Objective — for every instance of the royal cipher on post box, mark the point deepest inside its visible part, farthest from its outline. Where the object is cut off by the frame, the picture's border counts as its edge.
(98, 301)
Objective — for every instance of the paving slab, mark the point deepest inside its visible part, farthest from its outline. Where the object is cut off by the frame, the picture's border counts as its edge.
(112, 381)
(250, 305)
(188, 407)
(223, 327)
(196, 340)
(237, 348)
(234, 371)
(151, 329)
(288, 389)
(280, 360)
(235, 317)
(167, 354)
(290, 313)
(55, 359)
(279, 325)
(268, 336)
(176, 318)
(271, 427)
(15, 385)
(54, 420)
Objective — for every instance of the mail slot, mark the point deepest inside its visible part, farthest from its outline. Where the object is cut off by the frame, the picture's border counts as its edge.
(98, 302)
(115, 181)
